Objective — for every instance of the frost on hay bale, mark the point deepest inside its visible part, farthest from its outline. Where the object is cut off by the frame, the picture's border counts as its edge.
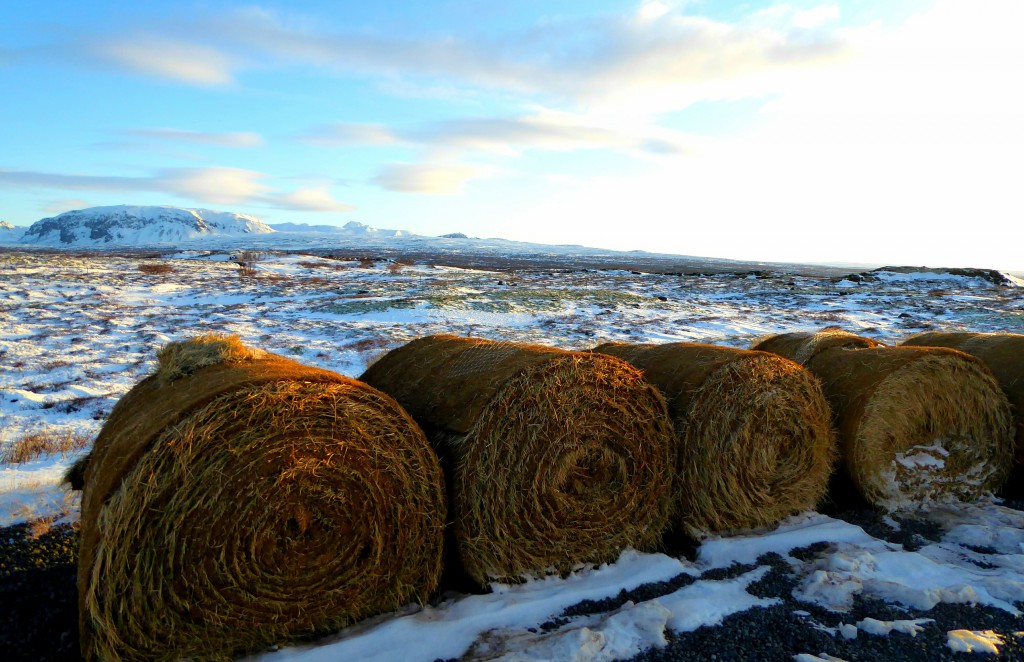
(231, 505)
(754, 440)
(556, 458)
(1003, 353)
(915, 424)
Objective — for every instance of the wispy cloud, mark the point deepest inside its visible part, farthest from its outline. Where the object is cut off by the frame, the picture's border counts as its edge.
(428, 178)
(545, 130)
(175, 58)
(658, 58)
(64, 204)
(218, 139)
(218, 186)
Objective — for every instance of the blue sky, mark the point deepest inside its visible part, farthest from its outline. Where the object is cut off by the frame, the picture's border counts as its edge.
(865, 131)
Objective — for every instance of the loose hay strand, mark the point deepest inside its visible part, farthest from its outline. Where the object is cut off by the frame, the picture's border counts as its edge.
(565, 459)
(754, 441)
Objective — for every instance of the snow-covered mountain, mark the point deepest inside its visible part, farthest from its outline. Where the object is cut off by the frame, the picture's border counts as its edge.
(125, 224)
(10, 233)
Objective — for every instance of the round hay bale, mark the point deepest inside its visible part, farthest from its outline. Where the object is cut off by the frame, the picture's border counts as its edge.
(1003, 353)
(236, 499)
(556, 458)
(802, 346)
(915, 424)
(754, 440)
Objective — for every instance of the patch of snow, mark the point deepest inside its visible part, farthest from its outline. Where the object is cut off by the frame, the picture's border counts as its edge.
(449, 630)
(709, 602)
(883, 628)
(924, 457)
(974, 641)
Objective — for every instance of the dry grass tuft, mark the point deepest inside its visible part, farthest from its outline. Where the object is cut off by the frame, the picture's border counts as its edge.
(915, 424)
(37, 444)
(247, 503)
(754, 442)
(156, 269)
(39, 527)
(555, 458)
(246, 261)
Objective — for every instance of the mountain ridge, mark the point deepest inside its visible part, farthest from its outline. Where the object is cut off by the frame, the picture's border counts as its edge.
(139, 224)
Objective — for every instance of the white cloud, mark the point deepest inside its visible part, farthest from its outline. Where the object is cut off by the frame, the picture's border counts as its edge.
(178, 59)
(428, 178)
(905, 153)
(655, 59)
(344, 133)
(816, 17)
(217, 186)
(511, 135)
(310, 199)
(64, 204)
(218, 139)
(223, 186)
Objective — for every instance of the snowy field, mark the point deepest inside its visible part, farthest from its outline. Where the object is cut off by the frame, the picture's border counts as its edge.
(77, 330)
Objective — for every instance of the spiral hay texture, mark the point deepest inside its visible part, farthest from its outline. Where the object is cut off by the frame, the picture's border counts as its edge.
(236, 499)
(1003, 353)
(915, 424)
(754, 441)
(556, 458)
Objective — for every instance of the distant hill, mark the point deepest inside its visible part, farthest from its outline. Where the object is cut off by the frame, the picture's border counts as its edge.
(352, 228)
(126, 224)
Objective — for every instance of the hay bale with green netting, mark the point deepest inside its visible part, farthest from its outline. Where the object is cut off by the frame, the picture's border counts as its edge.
(1003, 353)
(915, 424)
(236, 499)
(555, 458)
(754, 440)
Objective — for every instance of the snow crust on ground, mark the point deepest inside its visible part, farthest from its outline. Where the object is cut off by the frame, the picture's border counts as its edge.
(974, 641)
(78, 331)
(507, 621)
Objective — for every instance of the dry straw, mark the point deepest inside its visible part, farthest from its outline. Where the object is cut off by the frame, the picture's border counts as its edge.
(1003, 353)
(555, 458)
(754, 441)
(236, 499)
(915, 424)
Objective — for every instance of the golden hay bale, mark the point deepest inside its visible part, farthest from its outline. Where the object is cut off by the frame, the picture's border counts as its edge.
(235, 499)
(1003, 353)
(754, 440)
(802, 346)
(555, 457)
(915, 424)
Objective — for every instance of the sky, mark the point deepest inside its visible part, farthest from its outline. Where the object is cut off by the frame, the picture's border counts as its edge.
(867, 132)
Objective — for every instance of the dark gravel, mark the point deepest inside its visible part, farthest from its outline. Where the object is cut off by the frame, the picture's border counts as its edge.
(38, 607)
(38, 593)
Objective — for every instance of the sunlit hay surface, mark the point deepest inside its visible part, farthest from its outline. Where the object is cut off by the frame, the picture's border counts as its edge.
(754, 441)
(915, 424)
(180, 359)
(1003, 353)
(802, 346)
(565, 458)
(278, 503)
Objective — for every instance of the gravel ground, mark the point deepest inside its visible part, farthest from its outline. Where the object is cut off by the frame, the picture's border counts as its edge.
(38, 595)
(38, 603)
